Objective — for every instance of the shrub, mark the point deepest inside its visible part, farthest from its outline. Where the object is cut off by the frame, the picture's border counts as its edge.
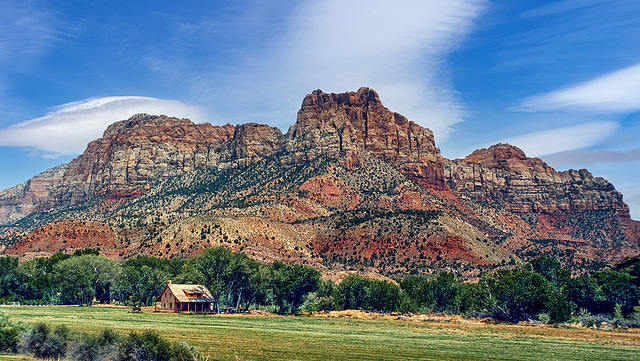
(42, 342)
(9, 332)
(94, 348)
(314, 303)
(150, 346)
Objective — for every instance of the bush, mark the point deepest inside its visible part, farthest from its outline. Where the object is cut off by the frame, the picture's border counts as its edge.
(42, 342)
(314, 302)
(150, 346)
(9, 332)
(596, 320)
(94, 348)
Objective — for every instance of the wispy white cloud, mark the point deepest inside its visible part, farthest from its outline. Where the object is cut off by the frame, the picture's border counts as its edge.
(25, 31)
(398, 48)
(617, 92)
(68, 128)
(585, 157)
(562, 139)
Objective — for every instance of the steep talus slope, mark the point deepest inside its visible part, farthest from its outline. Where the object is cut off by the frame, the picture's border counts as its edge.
(351, 185)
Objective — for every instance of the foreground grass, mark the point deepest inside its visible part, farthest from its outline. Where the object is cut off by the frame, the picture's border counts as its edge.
(310, 338)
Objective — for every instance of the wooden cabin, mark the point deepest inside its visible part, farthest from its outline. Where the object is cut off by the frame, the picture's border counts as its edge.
(184, 298)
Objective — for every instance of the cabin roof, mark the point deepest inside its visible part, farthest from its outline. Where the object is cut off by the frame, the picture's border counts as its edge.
(188, 293)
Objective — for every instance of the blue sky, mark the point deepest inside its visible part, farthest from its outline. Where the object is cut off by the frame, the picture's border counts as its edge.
(560, 79)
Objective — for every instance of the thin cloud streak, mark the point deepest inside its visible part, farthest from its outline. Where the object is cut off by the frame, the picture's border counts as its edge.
(398, 49)
(562, 139)
(25, 31)
(617, 92)
(592, 156)
(68, 128)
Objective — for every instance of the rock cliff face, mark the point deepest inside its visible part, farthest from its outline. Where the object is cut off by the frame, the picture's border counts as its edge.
(572, 201)
(503, 174)
(35, 194)
(346, 123)
(134, 152)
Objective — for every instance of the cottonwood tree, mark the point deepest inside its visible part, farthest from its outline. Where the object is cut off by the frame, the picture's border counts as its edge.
(79, 279)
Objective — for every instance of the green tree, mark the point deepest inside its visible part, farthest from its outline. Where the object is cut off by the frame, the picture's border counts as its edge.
(9, 283)
(35, 281)
(139, 285)
(356, 292)
(475, 297)
(79, 279)
(420, 290)
(445, 287)
(551, 269)
(383, 296)
(582, 292)
(291, 284)
(519, 294)
(353, 293)
(617, 288)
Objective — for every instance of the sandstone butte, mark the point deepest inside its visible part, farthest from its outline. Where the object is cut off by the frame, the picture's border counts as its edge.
(350, 186)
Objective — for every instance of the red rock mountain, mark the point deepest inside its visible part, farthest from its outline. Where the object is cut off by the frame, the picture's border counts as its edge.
(350, 185)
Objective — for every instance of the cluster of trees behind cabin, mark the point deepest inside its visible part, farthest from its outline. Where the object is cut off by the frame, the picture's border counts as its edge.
(540, 289)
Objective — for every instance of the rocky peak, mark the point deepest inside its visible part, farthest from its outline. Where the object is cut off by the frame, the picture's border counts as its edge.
(498, 156)
(347, 123)
(144, 148)
(503, 173)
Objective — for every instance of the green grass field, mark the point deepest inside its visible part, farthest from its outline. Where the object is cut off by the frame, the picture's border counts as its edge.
(314, 338)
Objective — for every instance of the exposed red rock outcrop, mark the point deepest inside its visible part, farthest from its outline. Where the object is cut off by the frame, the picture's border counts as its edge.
(67, 237)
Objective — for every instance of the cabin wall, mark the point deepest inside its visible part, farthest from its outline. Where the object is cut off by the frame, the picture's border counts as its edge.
(168, 302)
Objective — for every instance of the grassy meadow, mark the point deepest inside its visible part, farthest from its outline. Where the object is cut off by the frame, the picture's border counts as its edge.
(316, 338)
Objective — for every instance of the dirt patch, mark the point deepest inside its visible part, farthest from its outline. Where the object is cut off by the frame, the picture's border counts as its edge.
(364, 315)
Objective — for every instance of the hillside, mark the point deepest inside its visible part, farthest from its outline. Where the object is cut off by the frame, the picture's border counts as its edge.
(351, 185)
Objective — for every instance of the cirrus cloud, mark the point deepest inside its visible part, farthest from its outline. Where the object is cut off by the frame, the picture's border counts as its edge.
(562, 139)
(592, 156)
(68, 128)
(398, 48)
(616, 92)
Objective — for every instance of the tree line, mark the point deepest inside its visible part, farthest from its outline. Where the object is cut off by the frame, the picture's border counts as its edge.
(539, 290)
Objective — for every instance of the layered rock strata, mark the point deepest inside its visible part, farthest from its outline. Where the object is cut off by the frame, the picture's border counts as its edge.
(503, 174)
(343, 124)
(33, 195)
